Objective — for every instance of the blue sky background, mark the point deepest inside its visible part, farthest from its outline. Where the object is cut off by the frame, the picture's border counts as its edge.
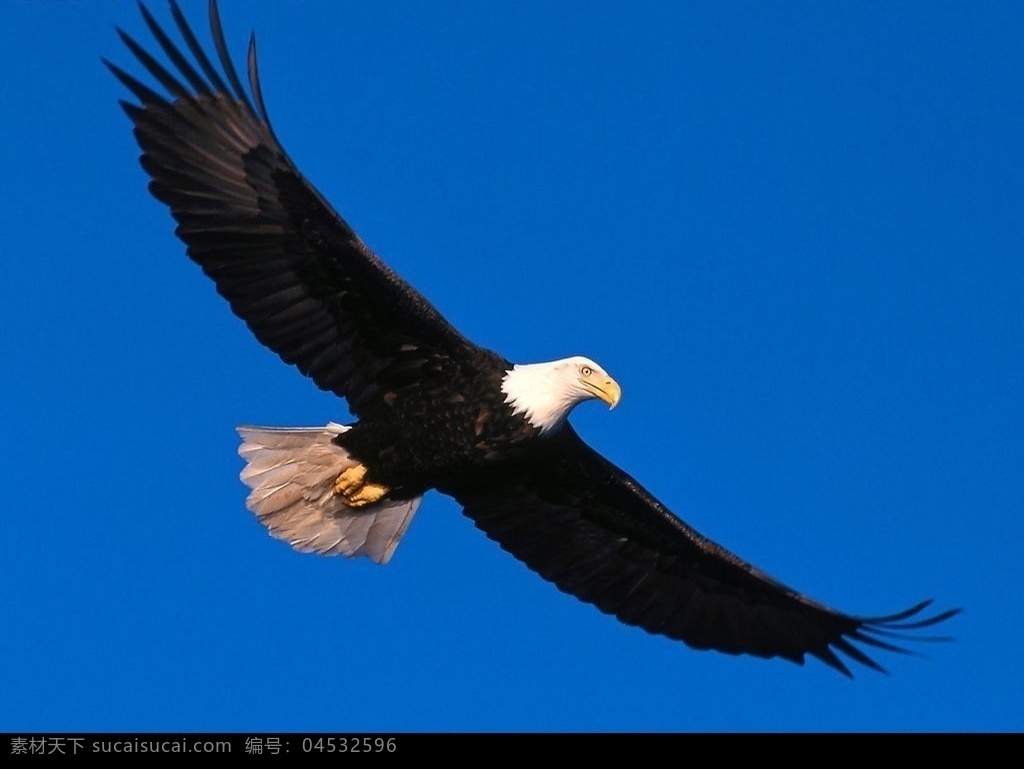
(791, 231)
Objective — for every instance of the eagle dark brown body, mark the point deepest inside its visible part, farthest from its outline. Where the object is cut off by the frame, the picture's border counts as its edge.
(463, 423)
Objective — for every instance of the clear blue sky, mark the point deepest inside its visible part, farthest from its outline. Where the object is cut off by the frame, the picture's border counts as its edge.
(791, 231)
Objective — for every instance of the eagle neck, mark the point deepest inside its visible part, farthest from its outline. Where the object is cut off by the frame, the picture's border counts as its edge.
(536, 392)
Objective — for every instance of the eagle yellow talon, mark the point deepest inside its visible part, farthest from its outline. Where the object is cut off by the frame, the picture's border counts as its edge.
(353, 489)
(350, 481)
(367, 495)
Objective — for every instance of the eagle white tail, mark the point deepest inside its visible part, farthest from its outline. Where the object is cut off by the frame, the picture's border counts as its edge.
(291, 471)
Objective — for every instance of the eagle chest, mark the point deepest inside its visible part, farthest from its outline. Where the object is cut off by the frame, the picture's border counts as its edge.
(455, 419)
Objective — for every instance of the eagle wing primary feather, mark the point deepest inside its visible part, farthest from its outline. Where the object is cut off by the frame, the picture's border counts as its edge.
(582, 523)
(290, 266)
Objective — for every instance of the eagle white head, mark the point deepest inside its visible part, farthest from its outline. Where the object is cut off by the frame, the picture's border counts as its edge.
(545, 393)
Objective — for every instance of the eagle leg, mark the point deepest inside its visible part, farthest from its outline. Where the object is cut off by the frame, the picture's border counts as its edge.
(353, 489)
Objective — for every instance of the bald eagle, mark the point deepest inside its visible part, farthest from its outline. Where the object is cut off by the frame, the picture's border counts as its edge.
(434, 410)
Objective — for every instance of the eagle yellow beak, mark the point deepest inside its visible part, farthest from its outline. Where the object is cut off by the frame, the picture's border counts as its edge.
(608, 391)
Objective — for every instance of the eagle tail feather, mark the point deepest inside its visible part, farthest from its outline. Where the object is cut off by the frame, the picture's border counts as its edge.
(291, 472)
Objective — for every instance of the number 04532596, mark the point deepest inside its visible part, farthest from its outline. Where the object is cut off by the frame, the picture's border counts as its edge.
(349, 745)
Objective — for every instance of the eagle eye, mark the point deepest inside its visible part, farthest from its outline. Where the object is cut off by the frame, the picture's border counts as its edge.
(586, 371)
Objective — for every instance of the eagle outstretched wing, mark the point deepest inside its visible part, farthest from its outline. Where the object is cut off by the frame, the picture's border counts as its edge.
(581, 522)
(290, 266)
